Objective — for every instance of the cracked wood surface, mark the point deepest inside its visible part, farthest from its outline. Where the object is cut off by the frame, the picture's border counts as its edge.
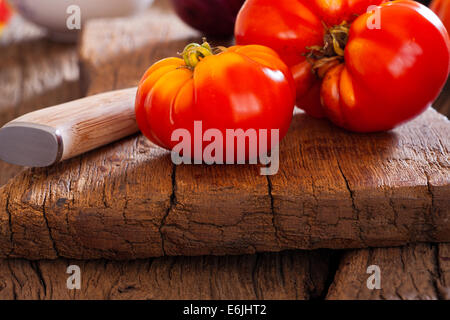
(272, 276)
(127, 201)
(420, 272)
(415, 272)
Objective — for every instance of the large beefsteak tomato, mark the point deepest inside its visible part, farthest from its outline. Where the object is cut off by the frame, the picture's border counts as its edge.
(239, 88)
(365, 70)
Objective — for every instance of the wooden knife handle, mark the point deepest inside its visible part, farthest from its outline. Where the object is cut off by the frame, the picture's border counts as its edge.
(53, 134)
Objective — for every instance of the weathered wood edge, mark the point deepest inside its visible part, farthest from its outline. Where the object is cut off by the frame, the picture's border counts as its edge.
(420, 272)
(417, 272)
(267, 276)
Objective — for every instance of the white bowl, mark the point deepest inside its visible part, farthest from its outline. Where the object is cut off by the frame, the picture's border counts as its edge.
(53, 16)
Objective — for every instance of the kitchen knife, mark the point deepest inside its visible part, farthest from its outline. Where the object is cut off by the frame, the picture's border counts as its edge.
(47, 136)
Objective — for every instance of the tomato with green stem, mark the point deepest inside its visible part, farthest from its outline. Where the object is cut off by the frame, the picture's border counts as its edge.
(366, 70)
(241, 87)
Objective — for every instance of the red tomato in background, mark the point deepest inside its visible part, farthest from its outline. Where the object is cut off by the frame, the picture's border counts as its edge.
(243, 87)
(378, 79)
(442, 9)
(5, 13)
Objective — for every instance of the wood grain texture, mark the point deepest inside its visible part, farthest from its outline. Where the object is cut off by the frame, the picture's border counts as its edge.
(420, 272)
(288, 275)
(340, 189)
(271, 276)
(417, 272)
(127, 201)
(34, 73)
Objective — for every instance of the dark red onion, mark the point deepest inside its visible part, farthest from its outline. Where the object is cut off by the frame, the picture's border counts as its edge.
(212, 17)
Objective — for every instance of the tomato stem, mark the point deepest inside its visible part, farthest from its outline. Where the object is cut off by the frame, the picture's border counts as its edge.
(193, 53)
(333, 50)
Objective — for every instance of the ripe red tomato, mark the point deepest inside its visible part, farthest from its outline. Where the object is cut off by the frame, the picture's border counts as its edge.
(364, 71)
(442, 9)
(242, 87)
(5, 13)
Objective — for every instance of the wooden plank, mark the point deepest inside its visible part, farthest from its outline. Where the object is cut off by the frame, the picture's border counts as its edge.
(108, 45)
(288, 275)
(419, 272)
(339, 189)
(334, 190)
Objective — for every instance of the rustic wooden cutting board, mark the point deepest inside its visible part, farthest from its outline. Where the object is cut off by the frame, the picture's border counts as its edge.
(420, 272)
(334, 190)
